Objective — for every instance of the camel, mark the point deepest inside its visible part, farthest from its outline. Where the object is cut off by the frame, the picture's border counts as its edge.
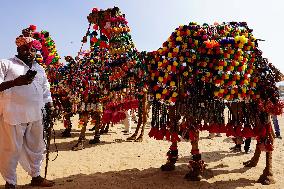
(197, 71)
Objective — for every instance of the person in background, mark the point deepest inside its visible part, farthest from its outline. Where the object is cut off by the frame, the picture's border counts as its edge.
(276, 126)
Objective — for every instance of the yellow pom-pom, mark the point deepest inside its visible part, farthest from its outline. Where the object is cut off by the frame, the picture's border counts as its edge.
(164, 91)
(178, 33)
(166, 75)
(170, 55)
(195, 42)
(176, 50)
(172, 83)
(225, 63)
(237, 38)
(227, 76)
(238, 77)
(175, 63)
(179, 38)
(169, 67)
(254, 84)
(216, 93)
(174, 94)
(185, 73)
(158, 95)
(188, 32)
(227, 97)
(161, 79)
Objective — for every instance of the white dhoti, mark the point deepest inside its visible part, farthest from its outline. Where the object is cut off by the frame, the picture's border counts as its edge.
(127, 122)
(21, 143)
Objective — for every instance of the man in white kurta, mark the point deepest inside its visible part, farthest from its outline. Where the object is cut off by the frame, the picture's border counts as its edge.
(21, 129)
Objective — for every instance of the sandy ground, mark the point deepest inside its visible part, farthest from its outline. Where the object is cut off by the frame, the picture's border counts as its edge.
(117, 164)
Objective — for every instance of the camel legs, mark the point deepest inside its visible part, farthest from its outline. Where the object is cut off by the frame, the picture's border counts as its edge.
(97, 135)
(172, 158)
(68, 125)
(80, 144)
(82, 137)
(144, 119)
(196, 165)
(254, 160)
(267, 176)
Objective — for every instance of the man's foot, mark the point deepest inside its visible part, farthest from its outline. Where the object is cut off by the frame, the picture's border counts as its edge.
(9, 186)
(279, 136)
(236, 149)
(248, 151)
(41, 182)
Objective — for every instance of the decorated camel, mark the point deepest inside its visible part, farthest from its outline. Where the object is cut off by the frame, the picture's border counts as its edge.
(120, 68)
(199, 70)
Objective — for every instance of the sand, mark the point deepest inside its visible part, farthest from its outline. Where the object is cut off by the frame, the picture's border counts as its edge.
(118, 164)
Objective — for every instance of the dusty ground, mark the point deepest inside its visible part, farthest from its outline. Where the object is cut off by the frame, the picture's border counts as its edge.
(117, 164)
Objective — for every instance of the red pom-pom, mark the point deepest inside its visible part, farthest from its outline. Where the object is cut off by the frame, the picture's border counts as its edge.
(32, 27)
(247, 132)
(153, 132)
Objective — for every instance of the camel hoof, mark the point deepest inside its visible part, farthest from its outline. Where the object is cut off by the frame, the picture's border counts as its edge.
(266, 179)
(168, 167)
(139, 139)
(250, 163)
(78, 146)
(94, 141)
(133, 137)
(193, 176)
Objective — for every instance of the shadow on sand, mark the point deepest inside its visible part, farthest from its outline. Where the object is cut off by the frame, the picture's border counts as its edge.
(147, 179)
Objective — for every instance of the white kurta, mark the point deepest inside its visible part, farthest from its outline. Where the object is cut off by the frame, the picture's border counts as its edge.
(21, 129)
(23, 104)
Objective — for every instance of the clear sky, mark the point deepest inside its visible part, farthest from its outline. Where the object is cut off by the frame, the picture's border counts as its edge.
(151, 21)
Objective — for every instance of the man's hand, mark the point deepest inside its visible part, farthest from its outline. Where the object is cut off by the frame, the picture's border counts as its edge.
(50, 110)
(23, 80)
